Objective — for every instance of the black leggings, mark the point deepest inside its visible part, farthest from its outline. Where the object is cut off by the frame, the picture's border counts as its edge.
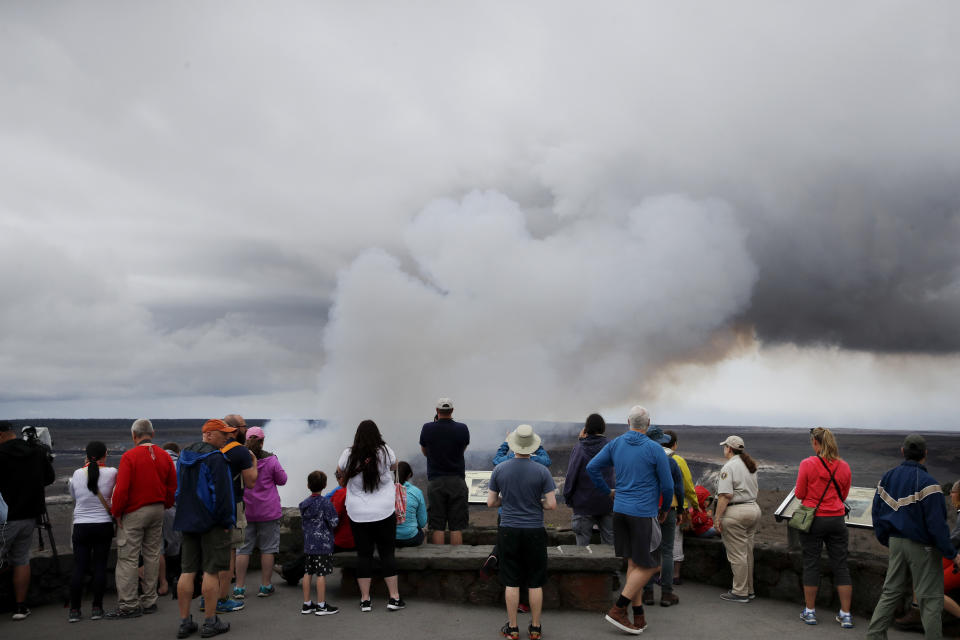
(383, 534)
(91, 546)
(832, 532)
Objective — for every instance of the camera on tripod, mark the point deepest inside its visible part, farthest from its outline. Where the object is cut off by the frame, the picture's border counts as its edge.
(39, 436)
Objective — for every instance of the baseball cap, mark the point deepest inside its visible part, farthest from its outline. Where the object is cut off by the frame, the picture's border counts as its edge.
(734, 442)
(255, 432)
(217, 425)
(914, 442)
(444, 404)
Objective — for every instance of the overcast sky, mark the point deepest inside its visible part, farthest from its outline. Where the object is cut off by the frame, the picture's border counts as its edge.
(736, 213)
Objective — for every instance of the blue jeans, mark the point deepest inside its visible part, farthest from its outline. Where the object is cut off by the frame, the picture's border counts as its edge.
(667, 530)
(582, 526)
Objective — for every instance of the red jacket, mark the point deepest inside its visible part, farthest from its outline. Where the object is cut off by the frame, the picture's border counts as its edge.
(146, 475)
(813, 478)
(343, 535)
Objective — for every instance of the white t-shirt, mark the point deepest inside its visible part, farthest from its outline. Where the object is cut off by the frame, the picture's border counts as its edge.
(89, 509)
(371, 507)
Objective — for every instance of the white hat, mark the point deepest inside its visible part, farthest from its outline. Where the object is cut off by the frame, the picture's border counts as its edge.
(444, 404)
(523, 440)
(734, 442)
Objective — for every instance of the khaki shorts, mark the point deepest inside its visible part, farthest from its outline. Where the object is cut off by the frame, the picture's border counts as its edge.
(209, 551)
(237, 534)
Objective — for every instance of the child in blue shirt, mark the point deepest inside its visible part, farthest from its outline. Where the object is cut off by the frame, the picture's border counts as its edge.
(319, 519)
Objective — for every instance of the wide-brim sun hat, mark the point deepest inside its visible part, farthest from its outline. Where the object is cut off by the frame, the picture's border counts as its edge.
(523, 440)
(734, 442)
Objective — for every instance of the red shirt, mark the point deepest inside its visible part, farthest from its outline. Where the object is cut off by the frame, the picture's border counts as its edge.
(343, 535)
(146, 475)
(814, 478)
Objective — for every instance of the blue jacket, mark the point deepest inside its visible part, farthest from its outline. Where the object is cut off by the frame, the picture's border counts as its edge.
(416, 513)
(204, 497)
(504, 454)
(642, 473)
(579, 492)
(909, 504)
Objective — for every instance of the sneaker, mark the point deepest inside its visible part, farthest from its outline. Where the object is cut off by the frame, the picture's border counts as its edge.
(265, 591)
(326, 609)
(523, 608)
(148, 610)
(668, 599)
(227, 606)
(808, 616)
(751, 596)
(96, 613)
(74, 615)
(845, 620)
(648, 597)
(187, 627)
(393, 604)
(119, 614)
(239, 593)
(511, 633)
(489, 566)
(366, 605)
(308, 608)
(617, 616)
(216, 627)
(535, 633)
(730, 596)
(21, 612)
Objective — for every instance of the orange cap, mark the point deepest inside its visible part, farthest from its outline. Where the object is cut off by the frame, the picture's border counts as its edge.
(217, 425)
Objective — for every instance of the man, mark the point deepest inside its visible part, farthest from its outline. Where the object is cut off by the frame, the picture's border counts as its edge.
(690, 500)
(642, 480)
(146, 485)
(443, 442)
(517, 486)
(910, 517)
(668, 529)
(243, 469)
(205, 514)
(25, 469)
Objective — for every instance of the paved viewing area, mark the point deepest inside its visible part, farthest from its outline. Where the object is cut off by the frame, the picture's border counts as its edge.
(701, 614)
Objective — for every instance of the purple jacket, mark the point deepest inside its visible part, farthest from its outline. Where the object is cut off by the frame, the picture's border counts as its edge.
(263, 501)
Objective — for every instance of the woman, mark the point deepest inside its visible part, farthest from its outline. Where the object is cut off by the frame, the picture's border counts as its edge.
(262, 505)
(91, 487)
(738, 516)
(410, 531)
(365, 469)
(590, 505)
(823, 483)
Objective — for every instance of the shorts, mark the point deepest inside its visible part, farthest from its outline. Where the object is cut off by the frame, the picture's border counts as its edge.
(318, 565)
(447, 503)
(209, 551)
(523, 557)
(16, 540)
(637, 538)
(262, 535)
(237, 534)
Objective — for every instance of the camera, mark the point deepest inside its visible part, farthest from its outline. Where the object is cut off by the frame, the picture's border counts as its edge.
(40, 437)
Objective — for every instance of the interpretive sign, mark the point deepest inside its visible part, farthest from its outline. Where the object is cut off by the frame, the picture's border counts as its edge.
(478, 483)
(860, 501)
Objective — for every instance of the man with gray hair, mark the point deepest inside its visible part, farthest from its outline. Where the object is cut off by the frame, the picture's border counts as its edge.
(641, 500)
(146, 485)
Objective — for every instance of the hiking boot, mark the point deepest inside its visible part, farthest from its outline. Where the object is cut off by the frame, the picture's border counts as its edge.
(308, 608)
(730, 596)
(227, 606)
(617, 616)
(393, 604)
(648, 597)
(809, 617)
(74, 615)
(148, 610)
(265, 591)
(910, 621)
(21, 612)
(216, 627)
(534, 633)
(511, 633)
(640, 622)
(239, 593)
(366, 605)
(187, 627)
(668, 599)
(326, 609)
(845, 620)
(120, 614)
(96, 613)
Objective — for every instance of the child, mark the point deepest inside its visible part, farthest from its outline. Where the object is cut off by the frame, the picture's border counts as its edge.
(319, 520)
(700, 521)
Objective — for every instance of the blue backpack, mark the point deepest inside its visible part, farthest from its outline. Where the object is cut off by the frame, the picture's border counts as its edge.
(204, 490)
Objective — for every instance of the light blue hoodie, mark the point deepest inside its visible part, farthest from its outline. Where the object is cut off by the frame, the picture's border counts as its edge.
(642, 472)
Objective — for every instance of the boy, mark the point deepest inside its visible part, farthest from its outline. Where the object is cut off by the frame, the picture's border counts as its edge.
(319, 521)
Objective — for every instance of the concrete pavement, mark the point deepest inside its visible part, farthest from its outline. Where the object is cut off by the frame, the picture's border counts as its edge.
(700, 614)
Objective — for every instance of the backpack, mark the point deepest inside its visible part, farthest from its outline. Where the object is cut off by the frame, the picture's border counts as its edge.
(204, 490)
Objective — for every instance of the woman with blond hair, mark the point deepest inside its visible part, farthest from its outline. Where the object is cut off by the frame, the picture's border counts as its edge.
(823, 483)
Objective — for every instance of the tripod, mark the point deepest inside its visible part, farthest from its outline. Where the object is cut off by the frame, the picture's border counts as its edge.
(43, 524)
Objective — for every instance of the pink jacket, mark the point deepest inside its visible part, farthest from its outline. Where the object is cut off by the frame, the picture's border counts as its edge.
(262, 503)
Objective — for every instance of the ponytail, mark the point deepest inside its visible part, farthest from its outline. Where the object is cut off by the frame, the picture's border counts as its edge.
(828, 443)
(747, 460)
(95, 451)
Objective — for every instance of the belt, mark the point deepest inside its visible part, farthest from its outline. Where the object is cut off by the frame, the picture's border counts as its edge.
(746, 502)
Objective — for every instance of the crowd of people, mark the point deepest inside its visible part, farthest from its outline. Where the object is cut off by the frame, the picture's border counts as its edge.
(194, 516)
